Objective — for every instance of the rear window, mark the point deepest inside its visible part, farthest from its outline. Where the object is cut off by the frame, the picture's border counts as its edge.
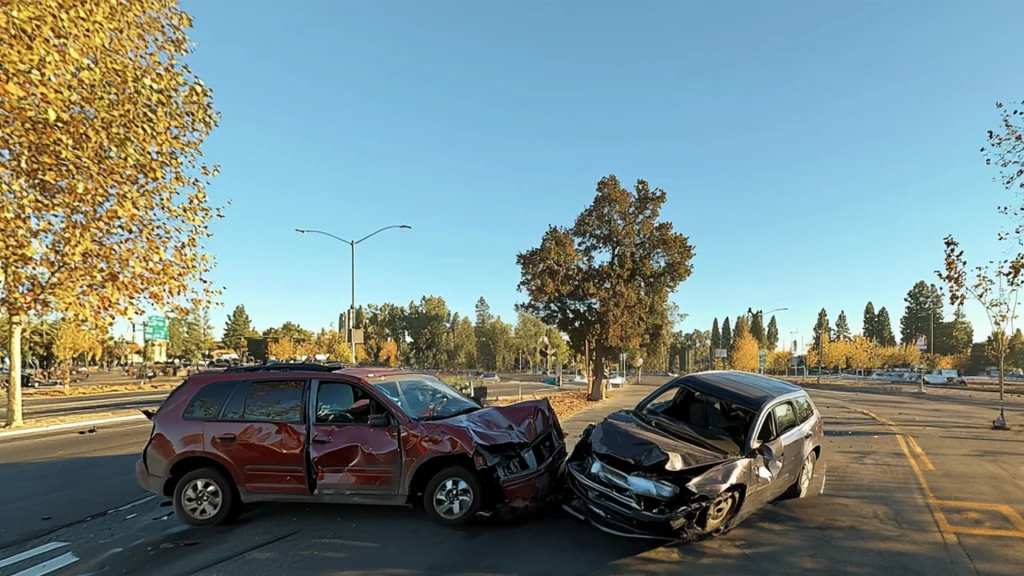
(275, 401)
(208, 401)
(803, 409)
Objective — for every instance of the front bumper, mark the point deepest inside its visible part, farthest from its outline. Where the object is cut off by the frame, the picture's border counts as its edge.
(588, 500)
(536, 489)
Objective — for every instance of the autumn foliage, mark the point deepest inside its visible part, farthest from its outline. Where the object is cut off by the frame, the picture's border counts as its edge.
(102, 183)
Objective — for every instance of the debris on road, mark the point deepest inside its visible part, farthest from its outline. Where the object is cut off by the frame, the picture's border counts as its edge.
(179, 544)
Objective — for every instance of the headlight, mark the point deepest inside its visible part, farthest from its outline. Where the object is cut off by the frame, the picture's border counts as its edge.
(675, 462)
(635, 484)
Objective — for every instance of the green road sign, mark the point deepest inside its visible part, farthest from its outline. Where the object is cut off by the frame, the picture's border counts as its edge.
(156, 328)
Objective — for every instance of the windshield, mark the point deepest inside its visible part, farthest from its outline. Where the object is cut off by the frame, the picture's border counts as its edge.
(715, 421)
(424, 397)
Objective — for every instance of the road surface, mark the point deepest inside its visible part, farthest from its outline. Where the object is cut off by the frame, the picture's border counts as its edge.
(915, 485)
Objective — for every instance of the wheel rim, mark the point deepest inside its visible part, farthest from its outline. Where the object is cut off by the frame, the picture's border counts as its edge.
(202, 499)
(453, 498)
(719, 511)
(806, 474)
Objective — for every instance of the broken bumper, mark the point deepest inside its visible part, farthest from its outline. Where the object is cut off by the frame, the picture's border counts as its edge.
(536, 489)
(608, 510)
(149, 482)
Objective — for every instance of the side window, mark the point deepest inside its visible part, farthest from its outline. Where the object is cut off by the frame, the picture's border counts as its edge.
(803, 409)
(235, 407)
(767, 431)
(207, 402)
(338, 403)
(785, 418)
(274, 401)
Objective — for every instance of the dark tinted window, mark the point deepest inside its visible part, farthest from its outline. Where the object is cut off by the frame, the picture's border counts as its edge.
(785, 418)
(275, 401)
(803, 409)
(338, 403)
(235, 408)
(206, 404)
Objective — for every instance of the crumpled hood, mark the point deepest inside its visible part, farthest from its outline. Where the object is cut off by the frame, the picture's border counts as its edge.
(621, 435)
(519, 423)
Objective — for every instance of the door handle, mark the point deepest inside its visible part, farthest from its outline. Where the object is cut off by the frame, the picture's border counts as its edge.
(321, 439)
(225, 437)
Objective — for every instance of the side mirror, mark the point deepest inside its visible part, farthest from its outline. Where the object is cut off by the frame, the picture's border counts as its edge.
(379, 421)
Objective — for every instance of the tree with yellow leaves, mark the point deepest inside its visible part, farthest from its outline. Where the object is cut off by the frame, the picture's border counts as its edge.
(389, 353)
(71, 340)
(102, 185)
(283, 348)
(745, 352)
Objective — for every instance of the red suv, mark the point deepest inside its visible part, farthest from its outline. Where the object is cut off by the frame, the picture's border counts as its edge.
(305, 433)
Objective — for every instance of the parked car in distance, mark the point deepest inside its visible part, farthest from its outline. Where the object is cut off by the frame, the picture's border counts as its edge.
(696, 456)
(302, 432)
(490, 376)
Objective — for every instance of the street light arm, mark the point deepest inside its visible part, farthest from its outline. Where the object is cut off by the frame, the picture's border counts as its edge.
(305, 231)
(368, 236)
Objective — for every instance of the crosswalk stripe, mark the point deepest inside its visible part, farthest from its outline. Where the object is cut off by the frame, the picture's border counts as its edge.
(31, 553)
(50, 565)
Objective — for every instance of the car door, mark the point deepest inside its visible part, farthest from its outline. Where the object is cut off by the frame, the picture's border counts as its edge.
(355, 445)
(261, 430)
(789, 431)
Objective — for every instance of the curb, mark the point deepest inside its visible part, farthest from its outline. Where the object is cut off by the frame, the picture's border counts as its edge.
(68, 425)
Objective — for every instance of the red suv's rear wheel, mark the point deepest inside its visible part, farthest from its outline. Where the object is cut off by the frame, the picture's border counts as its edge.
(205, 497)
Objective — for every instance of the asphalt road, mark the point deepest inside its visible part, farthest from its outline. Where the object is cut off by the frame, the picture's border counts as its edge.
(915, 485)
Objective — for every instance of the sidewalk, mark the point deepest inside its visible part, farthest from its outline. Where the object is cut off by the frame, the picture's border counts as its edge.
(625, 397)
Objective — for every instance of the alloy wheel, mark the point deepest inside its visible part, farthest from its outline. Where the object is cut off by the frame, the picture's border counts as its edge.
(453, 498)
(202, 499)
(719, 511)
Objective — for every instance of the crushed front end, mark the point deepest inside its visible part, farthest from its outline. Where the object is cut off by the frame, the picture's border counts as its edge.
(522, 470)
(624, 487)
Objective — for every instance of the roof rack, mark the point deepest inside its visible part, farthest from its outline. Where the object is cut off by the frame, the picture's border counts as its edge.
(282, 367)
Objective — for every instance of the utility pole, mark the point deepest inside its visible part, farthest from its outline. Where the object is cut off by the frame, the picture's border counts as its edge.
(821, 352)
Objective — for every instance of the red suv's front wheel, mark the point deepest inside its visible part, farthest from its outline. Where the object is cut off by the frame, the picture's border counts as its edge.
(205, 497)
(453, 496)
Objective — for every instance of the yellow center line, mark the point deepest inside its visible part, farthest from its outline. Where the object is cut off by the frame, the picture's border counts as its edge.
(920, 453)
(929, 498)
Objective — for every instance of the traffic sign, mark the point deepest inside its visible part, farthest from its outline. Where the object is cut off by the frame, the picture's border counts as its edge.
(156, 328)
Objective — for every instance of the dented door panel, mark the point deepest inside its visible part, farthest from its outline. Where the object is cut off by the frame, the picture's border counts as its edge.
(355, 459)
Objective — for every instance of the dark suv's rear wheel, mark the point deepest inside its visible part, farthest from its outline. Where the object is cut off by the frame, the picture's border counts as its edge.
(452, 496)
(205, 497)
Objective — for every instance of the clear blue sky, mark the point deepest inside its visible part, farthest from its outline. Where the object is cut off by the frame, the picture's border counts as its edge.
(815, 153)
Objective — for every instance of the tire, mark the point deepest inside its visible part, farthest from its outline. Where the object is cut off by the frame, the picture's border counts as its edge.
(206, 497)
(720, 513)
(801, 487)
(453, 496)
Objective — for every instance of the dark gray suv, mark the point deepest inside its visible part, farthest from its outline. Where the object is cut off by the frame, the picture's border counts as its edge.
(696, 456)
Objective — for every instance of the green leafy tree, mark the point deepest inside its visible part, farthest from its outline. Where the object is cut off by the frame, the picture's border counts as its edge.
(716, 336)
(236, 329)
(773, 334)
(757, 329)
(822, 331)
(428, 327)
(883, 329)
(464, 344)
(727, 338)
(922, 301)
(870, 329)
(175, 337)
(558, 345)
(842, 331)
(197, 340)
(602, 280)
(484, 352)
(741, 328)
(528, 334)
(502, 342)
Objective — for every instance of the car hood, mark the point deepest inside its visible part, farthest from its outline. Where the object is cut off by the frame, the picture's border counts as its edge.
(624, 437)
(516, 423)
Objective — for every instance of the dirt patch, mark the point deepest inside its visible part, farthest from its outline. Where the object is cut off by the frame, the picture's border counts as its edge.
(565, 403)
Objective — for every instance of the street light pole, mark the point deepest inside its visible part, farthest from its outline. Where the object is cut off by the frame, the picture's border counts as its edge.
(352, 244)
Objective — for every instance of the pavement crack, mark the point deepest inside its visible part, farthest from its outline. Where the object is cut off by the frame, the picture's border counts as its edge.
(968, 554)
(242, 552)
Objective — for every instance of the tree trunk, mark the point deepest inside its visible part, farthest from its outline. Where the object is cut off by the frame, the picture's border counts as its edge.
(14, 384)
(597, 385)
(1002, 364)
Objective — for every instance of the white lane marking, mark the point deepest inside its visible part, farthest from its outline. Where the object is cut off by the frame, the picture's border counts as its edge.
(50, 565)
(31, 553)
(131, 504)
(82, 424)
